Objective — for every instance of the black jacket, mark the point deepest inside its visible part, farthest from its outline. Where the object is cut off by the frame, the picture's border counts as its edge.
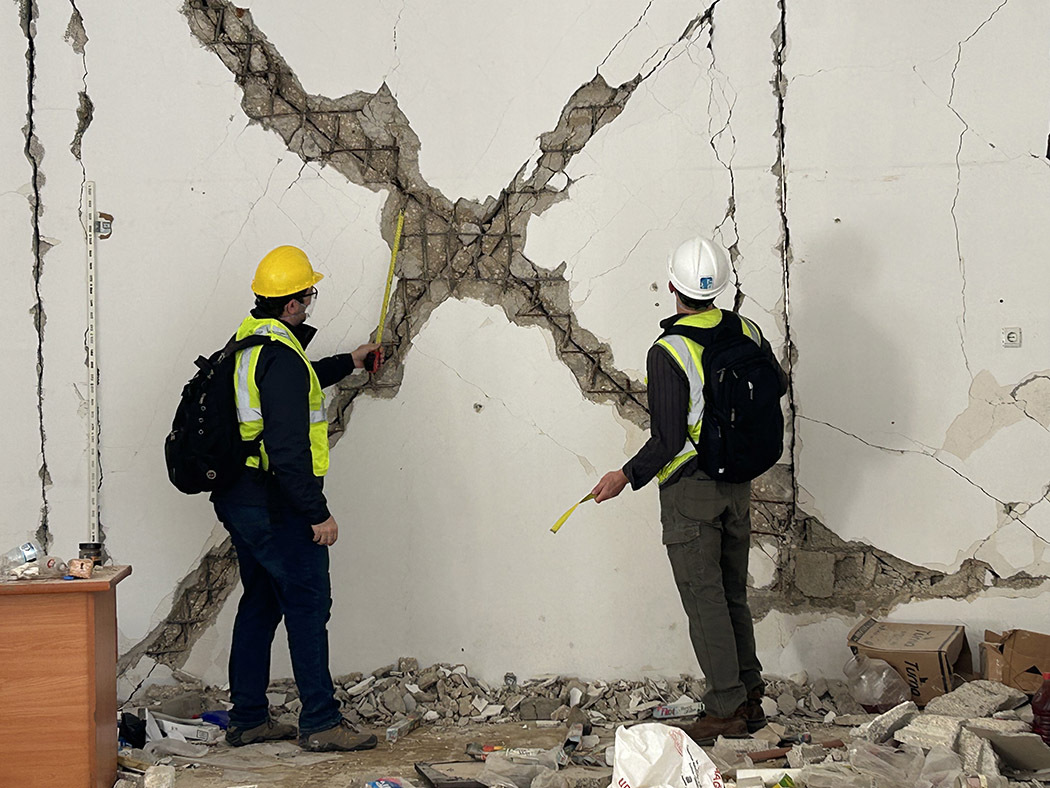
(284, 392)
(668, 389)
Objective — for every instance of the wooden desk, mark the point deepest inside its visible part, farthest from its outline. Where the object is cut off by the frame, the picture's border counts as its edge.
(58, 681)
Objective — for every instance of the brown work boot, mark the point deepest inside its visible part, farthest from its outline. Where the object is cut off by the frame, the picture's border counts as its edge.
(708, 727)
(756, 717)
(268, 731)
(343, 737)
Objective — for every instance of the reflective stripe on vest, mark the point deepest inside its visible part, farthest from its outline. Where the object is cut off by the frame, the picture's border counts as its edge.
(687, 354)
(249, 406)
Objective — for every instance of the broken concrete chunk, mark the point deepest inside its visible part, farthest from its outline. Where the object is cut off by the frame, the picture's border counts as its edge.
(992, 725)
(977, 754)
(979, 698)
(772, 733)
(187, 705)
(769, 706)
(804, 754)
(362, 686)
(883, 727)
(427, 679)
(160, 777)
(408, 665)
(741, 745)
(491, 710)
(538, 708)
(929, 730)
(384, 671)
(786, 703)
(393, 700)
(480, 703)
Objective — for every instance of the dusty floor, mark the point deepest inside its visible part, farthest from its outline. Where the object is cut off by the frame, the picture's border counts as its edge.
(284, 765)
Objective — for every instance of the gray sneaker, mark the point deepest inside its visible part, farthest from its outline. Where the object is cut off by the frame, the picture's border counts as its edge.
(343, 737)
(268, 731)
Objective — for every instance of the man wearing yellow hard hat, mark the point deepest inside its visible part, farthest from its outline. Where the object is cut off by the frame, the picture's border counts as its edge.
(276, 511)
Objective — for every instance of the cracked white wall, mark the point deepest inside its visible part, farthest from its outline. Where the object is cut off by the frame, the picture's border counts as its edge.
(916, 207)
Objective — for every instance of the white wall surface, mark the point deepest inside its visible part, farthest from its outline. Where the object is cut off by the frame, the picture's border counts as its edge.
(916, 202)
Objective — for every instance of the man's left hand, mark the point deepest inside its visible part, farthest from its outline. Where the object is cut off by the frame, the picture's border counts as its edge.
(361, 356)
(610, 485)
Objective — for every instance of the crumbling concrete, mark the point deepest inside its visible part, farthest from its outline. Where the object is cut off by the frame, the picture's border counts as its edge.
(883, 727)
(977, 699)
(929, 730)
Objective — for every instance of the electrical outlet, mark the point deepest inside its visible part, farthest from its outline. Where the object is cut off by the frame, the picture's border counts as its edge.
(1012, 337)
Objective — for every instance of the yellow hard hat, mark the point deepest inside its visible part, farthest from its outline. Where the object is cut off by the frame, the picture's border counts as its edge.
(284, 271)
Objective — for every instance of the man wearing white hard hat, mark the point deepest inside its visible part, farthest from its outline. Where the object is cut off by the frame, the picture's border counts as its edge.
(720, 359)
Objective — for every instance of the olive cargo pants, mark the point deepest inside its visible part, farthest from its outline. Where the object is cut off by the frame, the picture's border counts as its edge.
(707, 531)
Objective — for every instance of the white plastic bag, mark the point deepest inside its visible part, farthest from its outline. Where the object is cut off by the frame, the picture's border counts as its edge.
(652, 755)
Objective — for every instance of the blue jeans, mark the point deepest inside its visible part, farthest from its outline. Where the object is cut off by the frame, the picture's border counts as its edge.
(284, 574)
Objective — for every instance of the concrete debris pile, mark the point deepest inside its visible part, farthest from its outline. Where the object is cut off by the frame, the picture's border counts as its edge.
(448, 694)
(982, 728)
(979, 734)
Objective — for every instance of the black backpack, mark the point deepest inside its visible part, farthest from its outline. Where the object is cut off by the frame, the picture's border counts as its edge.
(204, 451)
(742, 433)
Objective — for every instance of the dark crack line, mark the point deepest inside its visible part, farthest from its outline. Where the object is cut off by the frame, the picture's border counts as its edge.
(927, 451)
(624, 37)
(958, 185)
(713, 137)
(780, 170)
(34, 154)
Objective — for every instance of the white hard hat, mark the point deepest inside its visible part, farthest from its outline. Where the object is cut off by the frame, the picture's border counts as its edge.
(699, 269)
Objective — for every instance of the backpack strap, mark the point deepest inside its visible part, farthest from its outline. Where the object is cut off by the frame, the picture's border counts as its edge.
(705, 337)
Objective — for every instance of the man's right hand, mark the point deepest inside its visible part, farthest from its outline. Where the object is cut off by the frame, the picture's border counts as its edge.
(609, 486)
(327, 532)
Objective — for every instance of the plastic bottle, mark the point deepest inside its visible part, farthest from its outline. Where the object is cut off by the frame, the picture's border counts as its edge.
(1041, 710)
(874, 684)
(44, 566)
(22, 554)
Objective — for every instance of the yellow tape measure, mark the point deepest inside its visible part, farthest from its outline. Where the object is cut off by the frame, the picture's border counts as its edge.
(564, 517)
(390, 276)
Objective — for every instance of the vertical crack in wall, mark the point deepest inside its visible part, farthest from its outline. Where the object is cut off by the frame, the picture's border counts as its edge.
(34, 153)
(780, 84)
(76, 36)
(958, 185)
(714, 138)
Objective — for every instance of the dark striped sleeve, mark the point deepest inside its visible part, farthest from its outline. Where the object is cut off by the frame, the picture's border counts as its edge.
(668, 409)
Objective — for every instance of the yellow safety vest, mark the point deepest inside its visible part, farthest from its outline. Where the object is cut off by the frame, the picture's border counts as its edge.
(249, 406)
(688, 354)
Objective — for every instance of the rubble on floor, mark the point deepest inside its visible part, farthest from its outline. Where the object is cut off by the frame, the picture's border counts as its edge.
(980, 729)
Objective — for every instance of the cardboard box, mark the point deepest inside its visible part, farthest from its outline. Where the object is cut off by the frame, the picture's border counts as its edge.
(926, 655)
(1017, 658)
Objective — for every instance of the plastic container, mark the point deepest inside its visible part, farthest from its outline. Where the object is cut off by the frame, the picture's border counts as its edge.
(874, 684)
(1041, 710)
(22, 554)
(44, 566)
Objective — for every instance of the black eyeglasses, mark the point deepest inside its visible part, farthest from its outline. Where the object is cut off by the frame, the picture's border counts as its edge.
(311, 294)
